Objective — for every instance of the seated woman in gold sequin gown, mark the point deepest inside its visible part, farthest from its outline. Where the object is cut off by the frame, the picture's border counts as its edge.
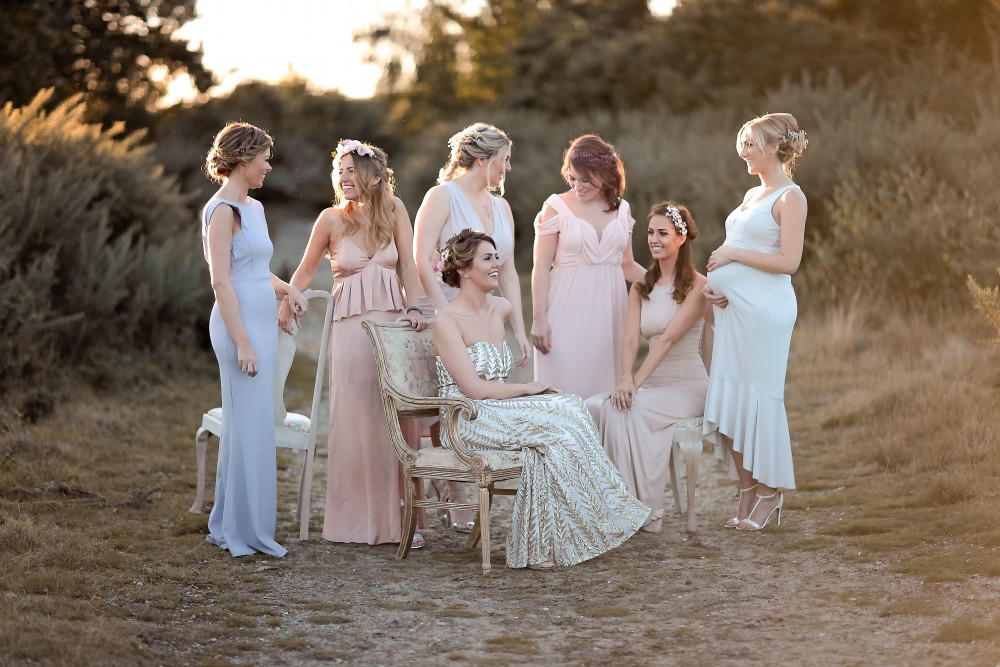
(571, 504)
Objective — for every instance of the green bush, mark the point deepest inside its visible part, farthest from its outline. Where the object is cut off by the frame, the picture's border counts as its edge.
(99, 250)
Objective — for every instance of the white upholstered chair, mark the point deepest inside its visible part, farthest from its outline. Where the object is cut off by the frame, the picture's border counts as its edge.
(291, 430)
(688, 440)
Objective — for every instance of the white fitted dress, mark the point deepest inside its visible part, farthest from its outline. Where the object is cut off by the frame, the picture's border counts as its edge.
(746, 387)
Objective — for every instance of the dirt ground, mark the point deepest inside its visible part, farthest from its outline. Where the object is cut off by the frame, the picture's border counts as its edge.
(715, 596)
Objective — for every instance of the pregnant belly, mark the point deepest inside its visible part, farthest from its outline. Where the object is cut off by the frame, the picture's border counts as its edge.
(730, 279)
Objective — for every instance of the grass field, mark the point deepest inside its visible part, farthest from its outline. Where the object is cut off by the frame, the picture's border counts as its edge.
(893, 527)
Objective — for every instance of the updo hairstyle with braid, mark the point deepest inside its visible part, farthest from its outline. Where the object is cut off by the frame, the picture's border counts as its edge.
(775, 128)
(459, 252)
(236, 143)
(477, 141)
(595, 159)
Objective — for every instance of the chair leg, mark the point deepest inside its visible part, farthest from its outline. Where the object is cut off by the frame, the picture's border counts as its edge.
(675, 474)
(409, 517)
(691, 458)
(485, 496)
(305, 493)
(201, 444)
(474, 536)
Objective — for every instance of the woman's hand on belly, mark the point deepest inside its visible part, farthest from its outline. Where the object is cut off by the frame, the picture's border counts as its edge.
(720, 257)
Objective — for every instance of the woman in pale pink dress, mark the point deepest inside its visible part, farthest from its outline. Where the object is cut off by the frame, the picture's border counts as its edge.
(366, 235)
(582, 257)
(636, 420)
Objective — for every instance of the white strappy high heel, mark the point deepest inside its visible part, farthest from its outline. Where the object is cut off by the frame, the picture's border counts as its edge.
(777, 508)
(735, 521)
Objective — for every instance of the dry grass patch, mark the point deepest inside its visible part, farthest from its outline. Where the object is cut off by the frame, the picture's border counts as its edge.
(912, 606)
(967, 630)
(512, 644)
(604, 611)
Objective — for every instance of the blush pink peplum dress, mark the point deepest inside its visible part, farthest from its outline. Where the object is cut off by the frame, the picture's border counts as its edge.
(364, 478)
(587, 301)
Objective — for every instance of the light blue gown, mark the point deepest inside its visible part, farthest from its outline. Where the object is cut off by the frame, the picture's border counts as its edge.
(246, 495)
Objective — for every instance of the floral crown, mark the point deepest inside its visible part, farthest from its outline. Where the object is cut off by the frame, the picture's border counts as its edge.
(674, 214)
(354, 146)
(795, 134)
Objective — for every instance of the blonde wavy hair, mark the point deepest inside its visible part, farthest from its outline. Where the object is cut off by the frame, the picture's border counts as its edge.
(479, 140)
(376, 185)
(237, 143)
(775, 128)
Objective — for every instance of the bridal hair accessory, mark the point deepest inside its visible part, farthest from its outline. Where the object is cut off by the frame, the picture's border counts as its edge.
(793, 134)
(606, 159)
(439, 267)
(679, 224)
(353, 146)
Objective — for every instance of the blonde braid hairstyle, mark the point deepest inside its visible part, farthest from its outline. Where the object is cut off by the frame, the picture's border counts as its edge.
(479, 140)
(237, 143)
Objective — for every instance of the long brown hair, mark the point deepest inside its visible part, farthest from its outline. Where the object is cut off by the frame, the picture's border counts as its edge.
(684, 266)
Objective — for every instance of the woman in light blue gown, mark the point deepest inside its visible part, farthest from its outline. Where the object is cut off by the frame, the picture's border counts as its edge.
(244, 334)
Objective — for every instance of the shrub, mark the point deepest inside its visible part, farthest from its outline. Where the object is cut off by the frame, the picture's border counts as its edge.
(99, 250)
(987, 303)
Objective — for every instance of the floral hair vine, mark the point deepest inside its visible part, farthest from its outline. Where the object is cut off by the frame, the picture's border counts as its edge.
(599, 160)
(675, 215)
(797, 135)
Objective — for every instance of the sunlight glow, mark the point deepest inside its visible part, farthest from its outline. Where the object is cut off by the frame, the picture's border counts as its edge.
(268, 40)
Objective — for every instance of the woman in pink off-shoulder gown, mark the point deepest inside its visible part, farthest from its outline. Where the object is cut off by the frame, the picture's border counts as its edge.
(582, 257)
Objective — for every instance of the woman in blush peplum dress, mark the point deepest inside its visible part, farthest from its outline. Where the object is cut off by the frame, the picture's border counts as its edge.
(464, 199)
(636, 420)
(750, 285)
(245, 339)
(582, 257)
(366, 236)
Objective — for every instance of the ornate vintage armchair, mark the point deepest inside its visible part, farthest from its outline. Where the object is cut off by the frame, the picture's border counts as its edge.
(408, 380)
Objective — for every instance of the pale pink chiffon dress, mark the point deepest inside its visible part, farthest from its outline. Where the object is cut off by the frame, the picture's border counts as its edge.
(638, 440)
(364, 474)
(587, 301)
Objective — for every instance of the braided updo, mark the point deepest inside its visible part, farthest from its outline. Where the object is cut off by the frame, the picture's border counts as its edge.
(479, 140)
(236, 143)
(775, 128)
(459, 252)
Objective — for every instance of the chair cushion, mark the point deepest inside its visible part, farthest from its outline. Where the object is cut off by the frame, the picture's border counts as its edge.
(688, 431)
(445, 457)
(296, 422)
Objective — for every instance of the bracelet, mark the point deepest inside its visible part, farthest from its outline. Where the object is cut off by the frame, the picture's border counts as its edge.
(416, 308)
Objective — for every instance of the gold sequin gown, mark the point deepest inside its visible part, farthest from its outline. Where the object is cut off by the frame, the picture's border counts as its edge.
(571, 504)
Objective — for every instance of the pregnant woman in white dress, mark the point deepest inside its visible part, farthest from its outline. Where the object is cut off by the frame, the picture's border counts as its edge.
(750, 285)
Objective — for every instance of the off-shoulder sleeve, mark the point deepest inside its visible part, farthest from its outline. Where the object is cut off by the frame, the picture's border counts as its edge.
(625, 214)
(550, 226)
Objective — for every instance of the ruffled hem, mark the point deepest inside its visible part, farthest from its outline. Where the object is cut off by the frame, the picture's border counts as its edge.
(758, 426)
(363, 292)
